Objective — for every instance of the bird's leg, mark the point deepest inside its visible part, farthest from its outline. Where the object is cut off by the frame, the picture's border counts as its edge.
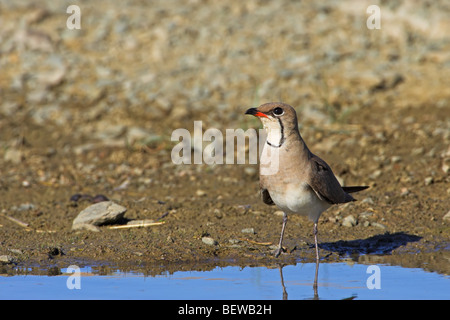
(315, 241)
(280, 246)
(316, 275)
(285, 295)
(316, 296)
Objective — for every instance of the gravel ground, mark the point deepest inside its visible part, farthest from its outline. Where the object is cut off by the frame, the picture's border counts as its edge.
(92, 111)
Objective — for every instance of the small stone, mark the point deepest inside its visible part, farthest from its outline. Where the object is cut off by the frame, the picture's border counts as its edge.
(367, 200)
(14, 156)
(378, 225)
(6, 259)
(332, 219)
(349, 221)
(404, 191)
(396, 159)
(26, 184)
(417, 151)
(200, 193)
(105, 212)
(447, 216)
(446, 165)
(209, 241)
(26, 207)
(376, 174)
(218, 214)
(428, 181)
(248, 230)
(279, 213)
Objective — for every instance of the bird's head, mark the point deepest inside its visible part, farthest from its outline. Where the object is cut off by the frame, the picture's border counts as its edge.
(275, 115)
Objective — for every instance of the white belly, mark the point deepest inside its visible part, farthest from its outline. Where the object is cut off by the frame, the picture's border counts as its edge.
(300, 199)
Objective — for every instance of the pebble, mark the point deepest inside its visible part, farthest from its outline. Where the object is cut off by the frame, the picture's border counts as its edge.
(24, 207)
(14, 156)
(446, 165)
(209, 241)
(248, 230)
(417, 151)
(396, 159)
(279, 213)
(333, 219)
(98, 214)
(200, 193)
(428, 181)
(376, 174)
(404, 191)
(349, 221)
(378, 225)
(368, 200)
(7, 259)
(447, 216)
(26, 184)
(218, 214)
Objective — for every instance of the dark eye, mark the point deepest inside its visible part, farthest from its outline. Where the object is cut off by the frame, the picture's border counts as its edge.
(278, 111)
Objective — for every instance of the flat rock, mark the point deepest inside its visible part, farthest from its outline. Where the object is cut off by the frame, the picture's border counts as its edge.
(98, 214)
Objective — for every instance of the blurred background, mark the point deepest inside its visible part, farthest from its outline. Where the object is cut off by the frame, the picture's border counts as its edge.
(93, 109)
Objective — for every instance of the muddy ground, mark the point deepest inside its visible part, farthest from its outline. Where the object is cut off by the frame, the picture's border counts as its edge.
(92, 111)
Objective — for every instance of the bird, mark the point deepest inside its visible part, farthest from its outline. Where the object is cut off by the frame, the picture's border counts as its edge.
(291, 176)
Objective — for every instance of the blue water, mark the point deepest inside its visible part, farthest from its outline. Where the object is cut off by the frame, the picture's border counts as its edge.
(335, 281)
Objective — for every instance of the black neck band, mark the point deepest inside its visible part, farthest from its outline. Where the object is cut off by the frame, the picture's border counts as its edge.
(282, 136)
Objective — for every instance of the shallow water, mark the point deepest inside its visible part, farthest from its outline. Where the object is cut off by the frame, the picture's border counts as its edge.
(335, 281)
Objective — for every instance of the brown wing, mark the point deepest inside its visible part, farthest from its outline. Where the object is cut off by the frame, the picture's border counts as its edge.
(265, 196)
(325, 184)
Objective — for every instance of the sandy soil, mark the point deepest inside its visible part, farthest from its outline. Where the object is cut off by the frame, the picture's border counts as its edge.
(92, 111)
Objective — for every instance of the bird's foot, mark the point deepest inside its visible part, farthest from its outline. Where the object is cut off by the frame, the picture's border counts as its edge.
(279, 251)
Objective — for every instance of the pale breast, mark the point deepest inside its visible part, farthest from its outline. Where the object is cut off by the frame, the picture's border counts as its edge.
(299, 199)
